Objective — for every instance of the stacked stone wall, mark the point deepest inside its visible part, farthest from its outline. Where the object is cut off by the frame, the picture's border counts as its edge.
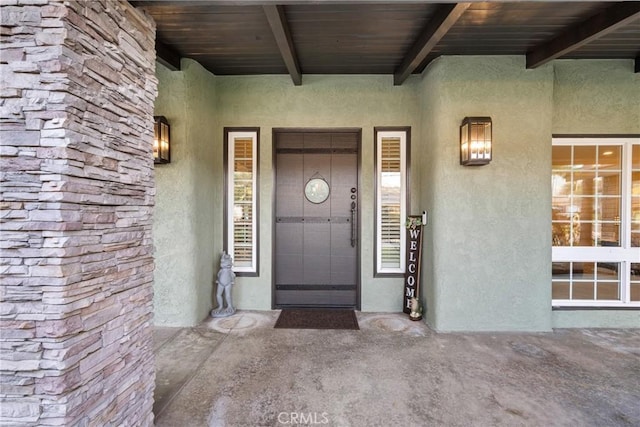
(76, 113)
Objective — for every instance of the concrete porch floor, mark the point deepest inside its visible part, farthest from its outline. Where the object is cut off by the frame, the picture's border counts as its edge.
(240, 371)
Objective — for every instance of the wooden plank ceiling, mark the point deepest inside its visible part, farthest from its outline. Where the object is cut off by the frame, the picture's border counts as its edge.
(393, 37)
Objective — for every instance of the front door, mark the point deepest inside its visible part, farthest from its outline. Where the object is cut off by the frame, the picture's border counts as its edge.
(316, 219)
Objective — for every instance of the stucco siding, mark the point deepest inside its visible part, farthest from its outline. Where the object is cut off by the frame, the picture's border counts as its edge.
(187, 236)
(596, 318)
(596, 97)
(489, 236)
(321, 102)
(487, 247)
(189, 220)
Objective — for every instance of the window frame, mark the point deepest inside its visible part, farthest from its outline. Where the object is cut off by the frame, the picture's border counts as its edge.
(230, 134)
(624, 255)
(404, 133)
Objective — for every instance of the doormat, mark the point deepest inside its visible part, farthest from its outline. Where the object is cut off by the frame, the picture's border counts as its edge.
(317, 319)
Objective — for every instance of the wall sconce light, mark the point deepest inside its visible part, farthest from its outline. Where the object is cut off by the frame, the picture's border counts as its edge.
(161, 140)
(475, 141)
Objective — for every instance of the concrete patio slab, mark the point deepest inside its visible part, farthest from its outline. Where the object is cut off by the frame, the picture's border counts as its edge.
(178, 359)
(397, 372)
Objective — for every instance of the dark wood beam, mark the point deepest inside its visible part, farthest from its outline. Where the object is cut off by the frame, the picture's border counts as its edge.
(584, 32)
(442, 20)
(637, 67)
(280, 29)
(167, 56)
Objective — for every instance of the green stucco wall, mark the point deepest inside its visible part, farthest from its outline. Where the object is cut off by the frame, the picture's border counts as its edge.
(188, 226)
(596, 97)
(596, 318)
(186, 231)
(321, 102)
(487, 247)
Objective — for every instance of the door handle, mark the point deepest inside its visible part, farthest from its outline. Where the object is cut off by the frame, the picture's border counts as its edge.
(354, 230)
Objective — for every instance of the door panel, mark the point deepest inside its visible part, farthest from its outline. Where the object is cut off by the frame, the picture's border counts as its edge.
(317, 140)
(289, 182)
(289, 255)
(316, 256)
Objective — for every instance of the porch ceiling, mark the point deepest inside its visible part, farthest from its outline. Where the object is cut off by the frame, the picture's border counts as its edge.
(378, 37)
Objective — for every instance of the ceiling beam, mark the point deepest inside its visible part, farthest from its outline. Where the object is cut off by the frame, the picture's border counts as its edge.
(576, 36)
(167, 56)
(443, 19)
(280, 29)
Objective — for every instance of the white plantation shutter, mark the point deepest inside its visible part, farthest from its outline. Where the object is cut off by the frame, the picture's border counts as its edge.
(241, 241)
(391, 201)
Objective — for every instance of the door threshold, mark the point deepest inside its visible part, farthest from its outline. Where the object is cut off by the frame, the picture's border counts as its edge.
(314, 307)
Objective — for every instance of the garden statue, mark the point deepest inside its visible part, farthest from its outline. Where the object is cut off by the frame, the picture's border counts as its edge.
(226, 278)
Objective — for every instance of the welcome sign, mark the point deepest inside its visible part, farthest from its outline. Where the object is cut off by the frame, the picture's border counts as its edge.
(413, 253)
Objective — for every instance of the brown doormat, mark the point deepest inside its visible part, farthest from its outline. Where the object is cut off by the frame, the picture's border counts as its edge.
(317, 319)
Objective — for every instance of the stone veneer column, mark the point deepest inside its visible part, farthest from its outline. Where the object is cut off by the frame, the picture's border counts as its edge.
(76, 110)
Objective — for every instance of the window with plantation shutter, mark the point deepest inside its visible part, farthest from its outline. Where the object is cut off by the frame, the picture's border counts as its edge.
(241, 200)
(391, 200)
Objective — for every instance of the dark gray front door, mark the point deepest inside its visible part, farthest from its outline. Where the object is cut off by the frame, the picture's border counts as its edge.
(316, 233)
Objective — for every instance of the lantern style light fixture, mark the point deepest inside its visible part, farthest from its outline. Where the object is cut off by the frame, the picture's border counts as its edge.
(475, 141)
(161, 140)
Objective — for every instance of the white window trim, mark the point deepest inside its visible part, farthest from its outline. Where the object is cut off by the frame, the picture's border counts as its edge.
(230, 202)
(624, 254)
(402, 135)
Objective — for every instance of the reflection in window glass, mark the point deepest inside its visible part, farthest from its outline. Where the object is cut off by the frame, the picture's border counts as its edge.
(583, 271)
(608, 281)
(608, 291)
(635, 282)
(608, 271)
(561, 157)
(561, 280)
(584, 157)
(595, 185)
(587, 281)
(583, 290)
(561, 290)
(609, 157)
(587, 195)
